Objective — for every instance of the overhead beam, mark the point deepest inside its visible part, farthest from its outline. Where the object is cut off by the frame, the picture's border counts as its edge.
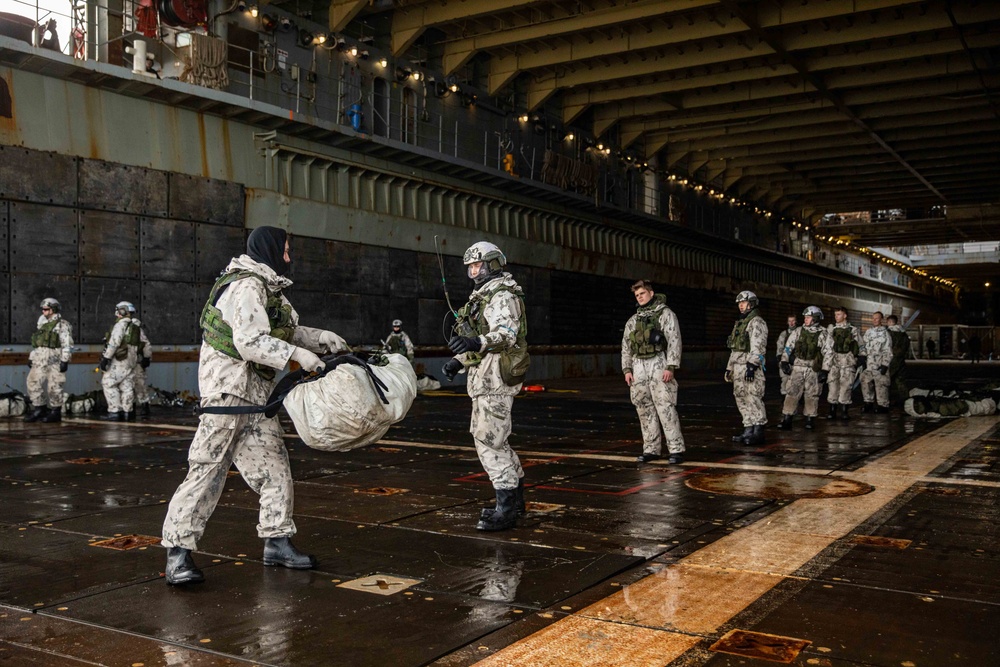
(410, 21)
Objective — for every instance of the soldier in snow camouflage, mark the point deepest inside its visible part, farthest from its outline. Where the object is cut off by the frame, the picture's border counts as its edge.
(250, 331)
(875, 376)
(806, 367)
(748, 342)
(844, 350)
(651, 352)
(491, 343)
(118, 362)
(51, 351)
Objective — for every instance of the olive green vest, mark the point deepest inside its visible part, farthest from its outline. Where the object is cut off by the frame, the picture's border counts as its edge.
(900, 348)
(807, 346)
(514, 361)
(739, 339)
(843, 340)
(394, 344)
(46, 336)
(647, 320)
(219, 335)
(131, 338)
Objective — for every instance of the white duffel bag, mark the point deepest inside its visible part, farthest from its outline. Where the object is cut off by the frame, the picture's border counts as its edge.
(343, 410)
(12, 404)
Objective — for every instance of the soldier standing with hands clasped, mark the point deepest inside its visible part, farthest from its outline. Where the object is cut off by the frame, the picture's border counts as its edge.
(651, 353)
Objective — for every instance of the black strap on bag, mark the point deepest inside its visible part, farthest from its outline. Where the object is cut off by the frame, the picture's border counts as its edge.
(294, 379)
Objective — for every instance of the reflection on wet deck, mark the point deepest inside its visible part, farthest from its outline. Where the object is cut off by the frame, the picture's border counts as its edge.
(808, 539)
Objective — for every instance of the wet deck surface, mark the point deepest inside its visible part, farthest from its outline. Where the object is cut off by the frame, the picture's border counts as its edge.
(616, 563)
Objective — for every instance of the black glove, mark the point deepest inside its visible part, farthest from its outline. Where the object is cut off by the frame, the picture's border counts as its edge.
(786, 368)
(728, 376)
(451, 368)
(145, 361)
(822, 376)
(751, 369)
(105, 364)
(460, 344)
(883, 369)
(862, 362)
(656, 337)
(63, 366)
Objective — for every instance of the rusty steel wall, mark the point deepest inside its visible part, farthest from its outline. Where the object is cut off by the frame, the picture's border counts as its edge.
(92, 233)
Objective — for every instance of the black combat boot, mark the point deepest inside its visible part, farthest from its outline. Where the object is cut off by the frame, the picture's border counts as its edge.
(809, 423)
(55, 415)
(676, 458)
(181, 568)
(113, 417)
(281, 551)
(843, 412)
(868, 407)
(519, 498)
(833, 411)
(504, 516)
(36, 414)
(756, 436)
(130, 415)
(144, 410)
(786, 423)
(742, 437)
(879, 410)
(646, 457)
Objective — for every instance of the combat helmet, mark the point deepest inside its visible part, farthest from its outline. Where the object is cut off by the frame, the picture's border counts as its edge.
(49, 302)
(813, 312)
(747, 295)
(490, 255)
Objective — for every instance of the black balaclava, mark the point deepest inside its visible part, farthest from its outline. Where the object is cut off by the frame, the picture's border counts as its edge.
(267, 246)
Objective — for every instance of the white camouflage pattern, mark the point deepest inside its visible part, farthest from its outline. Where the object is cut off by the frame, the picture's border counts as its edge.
(803, 381)
(251, 442)
(841, 366)
(750, 395)
(655, 401)
(492, 399)
(404, 340)
(878, 347)
(117, 380)
(45, 382)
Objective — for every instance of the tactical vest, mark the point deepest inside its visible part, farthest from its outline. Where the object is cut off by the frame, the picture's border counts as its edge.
(807, 346)
(843, 340)
(394, 344)
(47, 336)
(647, 321)
(131, 338)
(219, 335)
(514, 361)
(739, 339)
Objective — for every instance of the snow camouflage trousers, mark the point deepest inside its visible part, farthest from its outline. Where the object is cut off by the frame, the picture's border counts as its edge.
(490, 427)
(840, 382)
(802, 382)
(875, 387)
(117, 384)
(254, 445)
(750, 397)
(45, 382)
(655, 402)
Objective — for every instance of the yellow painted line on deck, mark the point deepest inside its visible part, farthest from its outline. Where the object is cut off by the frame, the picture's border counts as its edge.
(694, 597)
